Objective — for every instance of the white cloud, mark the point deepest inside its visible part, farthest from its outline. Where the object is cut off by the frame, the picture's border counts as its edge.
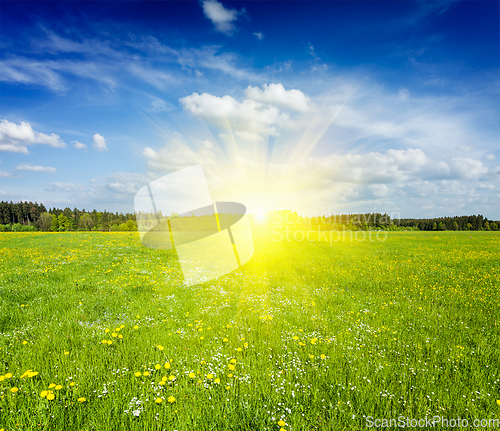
(16, 137)
(79, 145)
(32, 168)
(231, 116)
(276, 95)
(258, 35)
(491, 157)
(99, 143)
(221, 17)
(404, 94)
(4, 174)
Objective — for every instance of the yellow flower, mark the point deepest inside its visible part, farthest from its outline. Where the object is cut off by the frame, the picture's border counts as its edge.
(239, 349)
(32, 373)
(231, 367)
(228, 387)
(81, 400)
(14, 390)
(162, 383)
(8, 375)
(210, 376)
(157, 366)
(146, 373)
(498, 402)
(313, 340)
(2, 378)
(167, 364)
(50, 397)
(158, 400)
(106, 330)
(217, 380)
(245, 345)
(25, 342)
(171, 399)
(233, 361)
(160, 347)
(171, 377)
(136, 327)
(114, 334)
(66, 353)
(138, 374)
(225, 340)
(120, 336)
(230, 375)
(281, 423)
(311, 356)
(323, 356)
(52, 385)
(122, 326)
(295, 337)
(43, 394)
(72, 384)
(282, 429)
(110, 342)
(192, 375)
(58, 387)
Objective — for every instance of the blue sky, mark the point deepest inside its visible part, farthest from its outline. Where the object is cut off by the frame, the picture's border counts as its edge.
(326, 107)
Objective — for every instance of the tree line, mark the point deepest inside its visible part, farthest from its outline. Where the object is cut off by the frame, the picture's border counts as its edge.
(29, 216)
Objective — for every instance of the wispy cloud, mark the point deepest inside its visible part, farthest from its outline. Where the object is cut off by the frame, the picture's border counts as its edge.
(32, 168)
(258, 35)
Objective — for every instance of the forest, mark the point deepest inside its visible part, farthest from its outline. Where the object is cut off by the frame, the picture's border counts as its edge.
(28, 216)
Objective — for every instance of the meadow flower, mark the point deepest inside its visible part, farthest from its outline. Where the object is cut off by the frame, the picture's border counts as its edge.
(72, 384)
(52, 385)
(210, 376)
(171, 377)
(192, 375)
(138, 374)
(81, 400)
(231, 367)
(157, 366)
(146, 373)
(14, 389)
(58, 387)
(171, 399)
(50, 397)
(8, 375)
(281, 423)
(158, 400)
(43, 394)
(217, 380)
(160, 347)
(167, 365)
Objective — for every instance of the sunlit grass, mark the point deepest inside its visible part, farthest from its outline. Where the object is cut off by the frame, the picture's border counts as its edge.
(98, 332)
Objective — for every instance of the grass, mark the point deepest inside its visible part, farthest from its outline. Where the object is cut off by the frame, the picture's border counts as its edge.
(318, 335)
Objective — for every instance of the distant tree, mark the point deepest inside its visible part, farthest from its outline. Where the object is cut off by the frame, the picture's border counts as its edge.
(63, 222)
(55, 224)
(455, 225)
(44, 222)
(486, 225)
(86, 222)
(469, 226)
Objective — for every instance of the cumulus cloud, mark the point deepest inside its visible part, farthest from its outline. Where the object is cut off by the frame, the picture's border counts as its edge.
(258, 35)
(277, 95)
(99, 143)
(4, 174)
(32, 168)
(222, 18)
(79, 145)
(491, 157)
(16, 137)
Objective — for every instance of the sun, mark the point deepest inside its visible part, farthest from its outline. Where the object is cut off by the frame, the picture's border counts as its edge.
(260, 216)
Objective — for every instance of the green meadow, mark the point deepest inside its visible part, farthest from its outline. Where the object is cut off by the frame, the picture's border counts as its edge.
(98, 332)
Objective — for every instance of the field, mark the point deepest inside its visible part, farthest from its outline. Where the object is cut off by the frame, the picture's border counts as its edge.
(99, 333)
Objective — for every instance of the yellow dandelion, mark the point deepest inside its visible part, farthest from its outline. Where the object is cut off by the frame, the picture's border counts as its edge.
(81, 400)
(171, 377)
(228, 387)
(50, 397)
(146, 373)
(323, 356)
(158, 401)
(217, 380)
(498, 402)
(281, 423)
(210, 376)
(138, 374)
(192, 375)
(136, 327)
(110, 342)
(58, 387)
(167, 365)
(14, 390)
(43, 394)
(52, 385)
(104, 341)
(72, 384)
(157, 366)
(114, 334)
(120, 336)
(162, 383)
(295, 337)
(239, 349)
(171, 399)
(8, 375)
(106, 330)
(160, 347)
(25, 342)
(231, 367)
